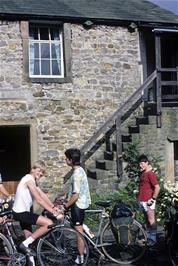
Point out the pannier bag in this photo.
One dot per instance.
(121, 223)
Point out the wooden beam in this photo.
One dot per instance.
(158, 80)
(119, 148)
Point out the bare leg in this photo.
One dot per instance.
(43, 222)
(27, 233)
(81, 245)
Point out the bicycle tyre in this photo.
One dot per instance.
(173, 253)
(59, 247)
(124, 253)
(6, 250)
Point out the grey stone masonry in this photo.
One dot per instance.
(105, 71)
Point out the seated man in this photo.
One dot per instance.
(27, 191)
(3, 190)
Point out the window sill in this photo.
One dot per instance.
(50, 80)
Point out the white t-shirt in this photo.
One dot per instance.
(23, 198)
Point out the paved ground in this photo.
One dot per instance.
(156, 256)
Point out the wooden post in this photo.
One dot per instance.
(119, 148)
(108, 143)
(158, 79)
(82, 160)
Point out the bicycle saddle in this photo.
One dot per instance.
(104, 203)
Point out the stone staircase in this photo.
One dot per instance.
(102, 168)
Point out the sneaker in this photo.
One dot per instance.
(79, 260)
(27, 250)
(31, 261)
(151, 243)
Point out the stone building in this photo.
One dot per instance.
(67, 71)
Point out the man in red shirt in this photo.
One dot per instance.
(148, 192)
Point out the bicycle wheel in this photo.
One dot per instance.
(59, 247)
(124, 253)
(5, 250)
(173, 253)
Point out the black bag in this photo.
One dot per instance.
(121, 223)
(121, 210)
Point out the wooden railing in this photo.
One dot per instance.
(114, 122)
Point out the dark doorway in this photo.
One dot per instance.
(14, 152)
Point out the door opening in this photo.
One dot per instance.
(14, 152)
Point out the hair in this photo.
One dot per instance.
(39, 164)
(73, 155)
(143, 158)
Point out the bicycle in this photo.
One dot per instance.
(61, 242)
(9, 254)
(171, 231)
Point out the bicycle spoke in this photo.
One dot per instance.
(17, 259)
(5, 250)
(124, 253)
(58, 247)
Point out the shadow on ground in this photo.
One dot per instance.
(155, 256)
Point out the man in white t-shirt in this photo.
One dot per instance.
(27, 191)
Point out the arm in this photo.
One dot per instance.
(39, 199)
(156, 191)
(45, 197)
(4, 191)
(72, 200)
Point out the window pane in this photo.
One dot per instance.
(34, 50)
(36, 47)
(45, 50)
(44, 33)
(37, 67)
(45, 67)
(34, 67)
(56, 52)
(56, 68)
(55, 34)
(33, 33)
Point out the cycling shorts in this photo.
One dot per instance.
(26, 219)
(77, 215)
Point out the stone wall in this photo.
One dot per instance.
(105, 71)
(159, 142)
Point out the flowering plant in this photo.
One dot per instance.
(168, 193)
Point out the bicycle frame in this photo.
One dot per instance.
(96, 241)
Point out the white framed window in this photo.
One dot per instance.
(46, 59)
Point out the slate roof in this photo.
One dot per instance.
(115, 11)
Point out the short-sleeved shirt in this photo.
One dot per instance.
(148, 180)
(23, 198)
(79, 184)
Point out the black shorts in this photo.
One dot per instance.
(77, 215)
(26, 219)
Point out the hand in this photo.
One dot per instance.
(58, 215)
(151, 201)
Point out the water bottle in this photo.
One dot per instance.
(88, 231)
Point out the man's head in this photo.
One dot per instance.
(73, 157)
(143, 161)
(38, 169)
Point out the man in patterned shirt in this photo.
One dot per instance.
(78, 198)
